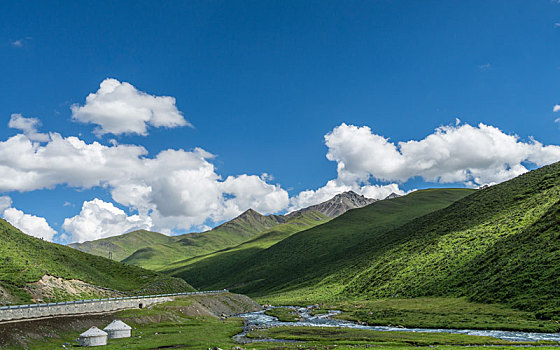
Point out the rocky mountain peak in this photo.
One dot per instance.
(392, 195)
(339, 204)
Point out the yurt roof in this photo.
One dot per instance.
(117, 325)
(93, 332)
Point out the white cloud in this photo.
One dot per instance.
(119, 108)
(17, 43)
(380, 191)
(30, 224)
(5, 203)
(460, 153)
(28, 126)
(556, 108)
(99, 219)
(28, 166)
(333, 187)
(177, 189)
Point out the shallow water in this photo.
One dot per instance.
(258, 319)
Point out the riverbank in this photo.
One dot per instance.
(429, 312)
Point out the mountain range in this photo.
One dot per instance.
(157, 251)
(499, 244)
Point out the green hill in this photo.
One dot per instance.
(124, 245)
(219, 263)
(231, 233)
(25, 259)
(501, 244)
(496, 245)
(304, 258)
(156, 251)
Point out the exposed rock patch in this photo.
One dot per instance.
(338, 205)
(54, 288)
(6, 298)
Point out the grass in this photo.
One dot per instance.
(241, 229)
(499, 245)
(496, 245)
(348, 336)
(25, 259)
(306, 257)
(166, 326)
(123, 246)
(183, 332)
(201, 270)
(283, 314)
(433, 312)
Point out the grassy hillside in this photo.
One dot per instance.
(155, 251)
(25, 259)
(303, 259)
(497, 245)
(124, 245)
(224, 262)
(500, 244)
(231, 233)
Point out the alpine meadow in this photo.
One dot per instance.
(286, 175)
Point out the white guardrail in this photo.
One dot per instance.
(65, 308)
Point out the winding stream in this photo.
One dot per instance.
(258, 319)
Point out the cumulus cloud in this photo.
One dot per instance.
(333, 187)
(28, 126)
(119, 108)
(556, 108)
(99, 219)
(182, 190)
(30, 224)
(28, 166)
(460, 153)
(176, 189)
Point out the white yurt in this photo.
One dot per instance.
(93, 337)
(118, 329)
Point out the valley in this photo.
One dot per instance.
(435, 258)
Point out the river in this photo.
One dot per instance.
(258, 319)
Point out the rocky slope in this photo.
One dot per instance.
(338, 205)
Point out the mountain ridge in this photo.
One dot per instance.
(156, 250)
(337, 205)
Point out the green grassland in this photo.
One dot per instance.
(496, 245)
(283, 314)
(25, 259)
(154, 250)
(158, 328)
(499, 245)
(167, 326)
(302, 259)
(245, 227)
(440, 312)
(220, 262)
(349, 336)
(124, 245)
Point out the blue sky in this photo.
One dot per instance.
(263, 82)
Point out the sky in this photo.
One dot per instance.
(176, 116)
